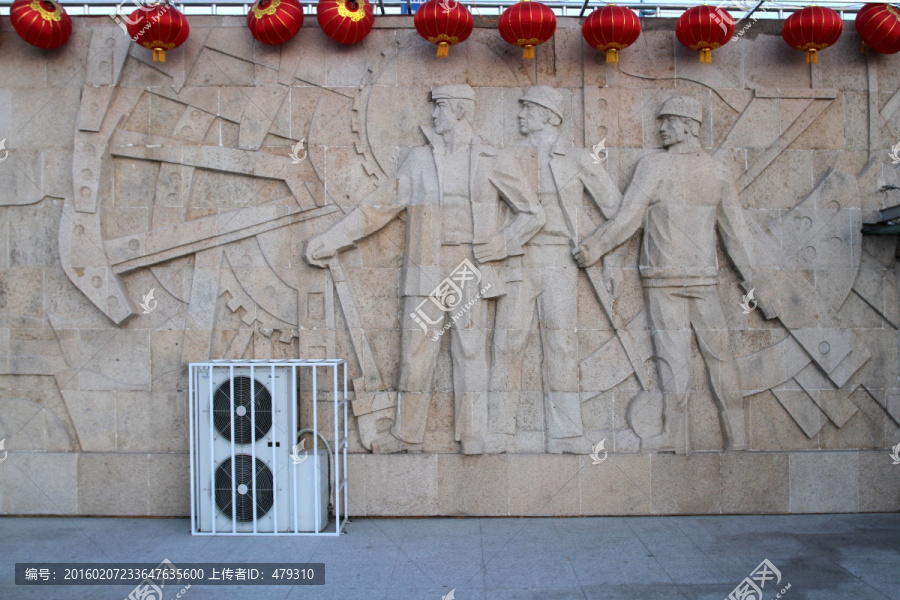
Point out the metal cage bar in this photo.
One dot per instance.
(337, 456)
(337, 445)
(344, 483)
(274, 455)
(316, 445)
(212, 451)
(192, 402)
(294, 428)
(233, 457)
(253, 447)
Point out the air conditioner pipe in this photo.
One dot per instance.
(330, 470)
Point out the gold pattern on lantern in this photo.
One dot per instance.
(811, 46)
(269, 10)
(444, 38)
(37, 5)
(159, 50)
(702, 45)
(353, 15)
(157, 46)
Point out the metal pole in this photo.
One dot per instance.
(337, 467)
(583, 8)
(294, 437)
(274, 459)
(192, 405)
(315, 448)
(346, 481)
(253, 443)
(212, 456)
(233, 457)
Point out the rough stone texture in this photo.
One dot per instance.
(754, 483)
(43, 484)
(825, 482)
(619, 485)
(560, 495)
(158, 215)
(731, 483)
(401, 487)
(686, 486)
(473, 485)
(878, 485)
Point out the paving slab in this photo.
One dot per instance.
(841, 556)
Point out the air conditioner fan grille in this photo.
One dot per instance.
(223, 407)
(243, 482)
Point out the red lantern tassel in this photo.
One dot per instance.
(705, 56)
(528, 52)
(812, 56)
(865, 49)
(443, 50)
(612, 55)
(159, 55)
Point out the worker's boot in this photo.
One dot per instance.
(389, 444)
(735, 429)
(671, 438)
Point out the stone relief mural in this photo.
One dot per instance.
(499, 279)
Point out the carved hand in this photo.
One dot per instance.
(584, 255)
(318, 249)
(493, 249)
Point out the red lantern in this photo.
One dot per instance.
(445, 23)
(527, 24)
(704, 28)
(611, 28)
(879, 27)
(41, 23)
(812, 29)
(274, 22)
(159, 27)
(345, 21)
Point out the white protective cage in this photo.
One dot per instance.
(245, 413)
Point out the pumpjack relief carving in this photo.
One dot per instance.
(495, 286)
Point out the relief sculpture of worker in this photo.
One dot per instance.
(566, 174)
(679, 198)
(469, 207)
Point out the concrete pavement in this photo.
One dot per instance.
(841, 556)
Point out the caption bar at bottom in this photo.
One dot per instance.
(184, 574)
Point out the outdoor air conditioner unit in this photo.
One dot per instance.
(245, 442)
(248, 473)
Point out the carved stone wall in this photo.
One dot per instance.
(242, 201)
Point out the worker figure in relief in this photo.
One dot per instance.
(549, 287)
(469, 210)
(680, 198)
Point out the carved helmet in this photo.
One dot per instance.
(453, 92)
(546, 96)
(682, 106)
